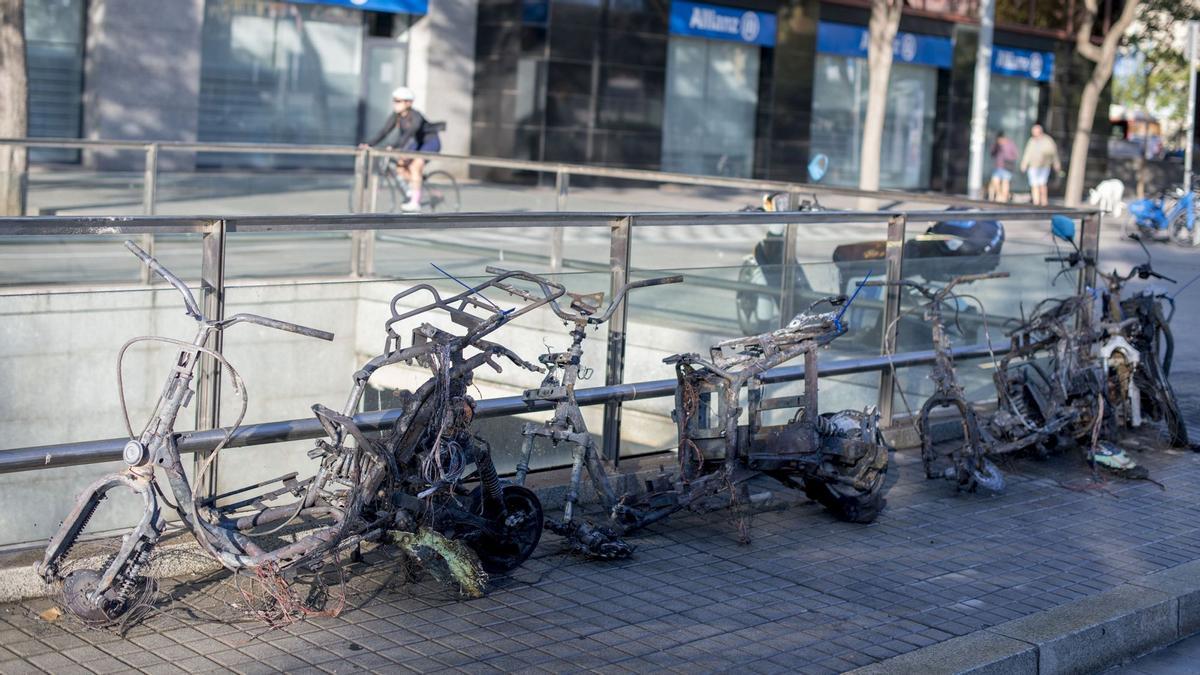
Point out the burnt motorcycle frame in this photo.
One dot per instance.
(1132, 338)
(566, 425)
(969, 467)
(839, 459)
(364, 486)
(1141, 321)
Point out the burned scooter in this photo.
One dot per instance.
(839, 459)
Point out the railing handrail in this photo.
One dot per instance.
(91, 452)
(644, 175)
(91, 225)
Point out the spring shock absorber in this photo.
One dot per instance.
(489, 480)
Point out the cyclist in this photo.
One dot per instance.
(415, 133)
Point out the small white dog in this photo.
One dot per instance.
(1107, 196)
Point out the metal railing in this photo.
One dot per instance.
(620, 226)
(362, 225)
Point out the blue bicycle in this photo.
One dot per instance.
(1178, 224)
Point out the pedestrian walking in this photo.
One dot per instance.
(1004, 157)
(1041, 155)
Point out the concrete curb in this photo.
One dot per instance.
(1084, 636)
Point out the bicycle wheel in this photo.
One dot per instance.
(440, 192)
(1180, 234)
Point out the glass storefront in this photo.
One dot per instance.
(840, 109)
(54, 62)
(712, 96)
(279, 73)
(840, 92)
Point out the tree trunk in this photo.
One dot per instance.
(885, 21)
(1104, 56)
(1083, 135)
(14, 96)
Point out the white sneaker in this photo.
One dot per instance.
(410, 206)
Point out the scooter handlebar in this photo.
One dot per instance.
(278, 325)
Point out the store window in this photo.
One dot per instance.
(279, 73)
(712, 95)
(1018, 76)
(840, 105)
(54, 62)
(712, 88)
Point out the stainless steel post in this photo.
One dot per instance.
(979, 109)
(359, 204)
(620, 238)
(562, 182)
(149, 202)
(891, 311)
(1191, 106)
(787, 287)
(208, 384)
(1089, 246)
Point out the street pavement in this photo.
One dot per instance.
(809, 594)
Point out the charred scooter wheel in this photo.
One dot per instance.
(514, 539)
(850, 482)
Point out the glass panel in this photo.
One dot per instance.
(235, 191)
(712, 94)
(1030, 281)
(840, 110)
(722, 299)
(58, 374)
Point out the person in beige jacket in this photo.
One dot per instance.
(1041, 155)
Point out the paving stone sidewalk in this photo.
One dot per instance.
(810, 594)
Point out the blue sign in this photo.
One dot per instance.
(391, 6)
(1023, 63)
(722, 23)
(845, 40)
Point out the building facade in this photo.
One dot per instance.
(754, 88)
(251, 71)
(749, 88)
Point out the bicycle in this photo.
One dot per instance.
(404, 486)
(1178, 223)
(563, 370)
(439, 190)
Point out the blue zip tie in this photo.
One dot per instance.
(837, 321)
(474, 291)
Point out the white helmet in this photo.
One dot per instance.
(403, 94)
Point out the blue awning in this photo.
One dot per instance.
(393, 6)
(847, 40)
(1023, 63)
(717, 22)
